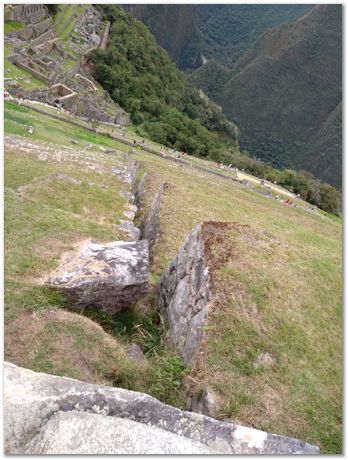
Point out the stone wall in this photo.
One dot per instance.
(29, 13)
(42, 26)
(150, 230)
(184, 293)
(40, 75)
(90, 84)
(104, 40)
(42, 38)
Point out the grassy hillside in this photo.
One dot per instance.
(286, 87)
(282, 294)
(139, 75)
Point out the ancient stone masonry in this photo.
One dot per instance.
(86, 80)
(35, 66)
(184, 294)
(131, 172)
(28, 13)
(150, 230)
(104, 40)
(48, 35)
(62, 92)
(109, 276)
(45, 414)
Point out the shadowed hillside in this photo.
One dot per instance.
(285, 94)
(193, 33)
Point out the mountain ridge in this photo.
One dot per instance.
(282, 91)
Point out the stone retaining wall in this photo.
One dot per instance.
(42, 38)
(184, 294)
(150, 230)
(31, 13)
(104, 40)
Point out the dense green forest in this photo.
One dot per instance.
(285, 92)
(228, 30)
(139, 75)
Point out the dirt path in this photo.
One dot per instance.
(275, 188)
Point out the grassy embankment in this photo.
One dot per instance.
(281, 292)
(282, 298)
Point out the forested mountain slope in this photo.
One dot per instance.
(228, 30)
(193, 33)
(139, 75)
(285, 92)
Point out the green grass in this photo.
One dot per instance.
(281, 291)
(17, 119)
(64, 20)
(290, 304)
(12, 26)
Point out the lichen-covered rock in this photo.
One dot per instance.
(81, 433)
(184, 294)
(109, 276)
(48, 414)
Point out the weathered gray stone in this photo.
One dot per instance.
(136, 354)
(184, 294)
(128, 227)
(128, 195)
(206, 403)
(112, 276)
(150, 230)
(131, 172)
(81, 433)
(40, 410)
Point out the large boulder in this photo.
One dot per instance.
(108, 276)
(45, 414)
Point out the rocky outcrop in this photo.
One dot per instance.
(184, 294)
(109, 276)
(45, 414)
